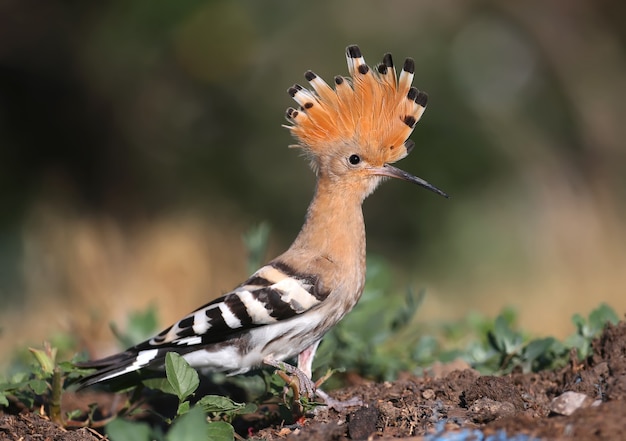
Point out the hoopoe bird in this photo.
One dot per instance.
(350, 133)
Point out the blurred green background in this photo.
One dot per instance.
(140, 139)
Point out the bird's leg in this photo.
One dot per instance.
(303, 372)
(291, 383)
(305, 359)
(305, 363)
(338, 405)
(304, 383)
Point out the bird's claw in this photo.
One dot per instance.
(302, 385)
(297, 380)
(338, 405)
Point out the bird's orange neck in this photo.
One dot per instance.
(332, 240)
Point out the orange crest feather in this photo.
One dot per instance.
(374, 109)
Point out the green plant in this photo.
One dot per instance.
(40, 383)
(191, 426)
(182, 380)
(587, 330)
(190, 421)
(507, 348)
(399, 342)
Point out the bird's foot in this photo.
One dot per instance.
(297, 380)
(329, 401)
(302, 386)
(338, 405)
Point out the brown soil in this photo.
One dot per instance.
(449, 399)
(464, 401)
(32, 427)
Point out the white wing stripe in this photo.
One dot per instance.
(200, 322)
(145, 357)
(295, 294)
(189, 341)
(256, 309)
(231, 320)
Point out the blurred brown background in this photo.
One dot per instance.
(140, 139)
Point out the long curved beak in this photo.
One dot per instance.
(393, 172)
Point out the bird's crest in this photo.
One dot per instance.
(373, 109)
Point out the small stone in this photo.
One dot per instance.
(485, 410)
(388, 410)
(428, 394)
(568, 402)
(284, 432)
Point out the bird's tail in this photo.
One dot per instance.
(123, 366)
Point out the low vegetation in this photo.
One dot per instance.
(398, 343)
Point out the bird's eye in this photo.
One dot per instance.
(354, 159)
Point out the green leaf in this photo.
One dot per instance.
(538, 347)
(73, 414)
(248, 408)
(45, 360)
(19, 378)
(181, 376)
(221, 431)
(404, 315)
(122, 430)
(192, 426)
(14, 385)
(505, 338)
(4, 401)
(38, 386)
(183, 408)
(581, 344)
(218, 404)
(599, 317)
(579, 322)
(161, 384)
(71, 370)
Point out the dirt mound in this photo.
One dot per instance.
(30, 426)
(584, 400)
(580, 401)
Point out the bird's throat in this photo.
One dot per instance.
(333, 235)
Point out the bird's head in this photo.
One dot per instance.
(352, 133)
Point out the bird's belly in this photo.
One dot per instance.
(280, 341)
(284, 340)
(224, 358)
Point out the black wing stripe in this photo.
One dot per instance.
(314, 286)
(187, 322)
(238, 308)
(216, 319)
(274, 303)
(276, 292)
(286, 269)
(257, 281)
(184, 328)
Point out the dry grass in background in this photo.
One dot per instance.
(543, 83)
(83, 273)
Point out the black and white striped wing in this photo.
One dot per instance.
(273, 294)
